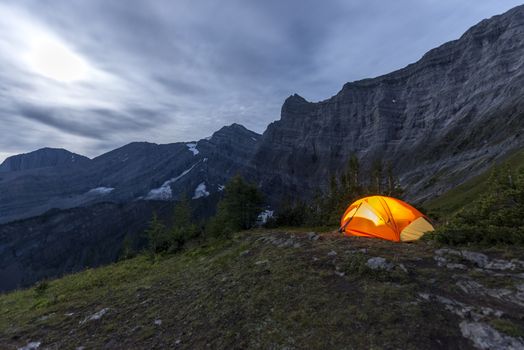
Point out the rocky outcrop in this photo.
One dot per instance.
(438, 121)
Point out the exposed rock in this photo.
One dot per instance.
(473, 287)
(96, 316)
(462, 310)
(379, 263)
(31, 346)
(481, 260)
(403, 268)
(453, 266)
(499, 264)
(158, 322)
(244, 253)
(332, 253)
(261, 262)
(445, 108)
(312, 236)
(484, 336)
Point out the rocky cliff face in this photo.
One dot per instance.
(438, 121)
(42, 158)
(139, 170)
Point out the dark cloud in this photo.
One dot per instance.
(167, 71)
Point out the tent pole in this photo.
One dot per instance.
(340, 230)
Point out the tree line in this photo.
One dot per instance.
(326, 207)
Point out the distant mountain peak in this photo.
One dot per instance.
(42, 158)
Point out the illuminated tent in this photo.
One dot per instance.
(386, 218)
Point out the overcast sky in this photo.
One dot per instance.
(93, 75)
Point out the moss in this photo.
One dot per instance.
(508, 327)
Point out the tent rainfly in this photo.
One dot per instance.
(386, 218)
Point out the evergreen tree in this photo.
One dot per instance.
(496, 217)
(239, 208)
(183, 227)
(156, 235)
(376, 177)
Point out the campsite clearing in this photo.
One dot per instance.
(280, 288)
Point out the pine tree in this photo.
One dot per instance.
(156, 236)
(376, 177)
(183, 227)
(238, 210)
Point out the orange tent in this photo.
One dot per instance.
(384, 217)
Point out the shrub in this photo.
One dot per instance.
(497, 217)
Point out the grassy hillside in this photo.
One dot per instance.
(274, 289)
(460, 196)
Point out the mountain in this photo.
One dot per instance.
(438, 121)
(42, 158)
(69, 240)
(139, 170)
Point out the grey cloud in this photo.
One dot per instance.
(185, 68)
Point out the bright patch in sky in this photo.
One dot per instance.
(56, 61)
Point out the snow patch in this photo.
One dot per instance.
(264, 216)
(192, 148)
(221, 187)
(164, 192)
(254, 139)
(101, 190)
(200, 191)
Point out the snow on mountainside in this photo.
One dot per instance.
(139, 170)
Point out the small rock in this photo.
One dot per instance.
(332, 253)
(452, 266)
(96, 316)
(158, 322)
(312, 236)
(484, 336)
(31, 346)
(244, 253)
(69, 314)
(260, 262)
(403, 268)
(499, 264)
(445, 251)
(315, 258)
(81, 348)
(441, 261)
(178, 341)
(340, 273)
(479, 259)
(379, 263)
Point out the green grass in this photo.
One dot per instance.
(249, 291)
(458, 197)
